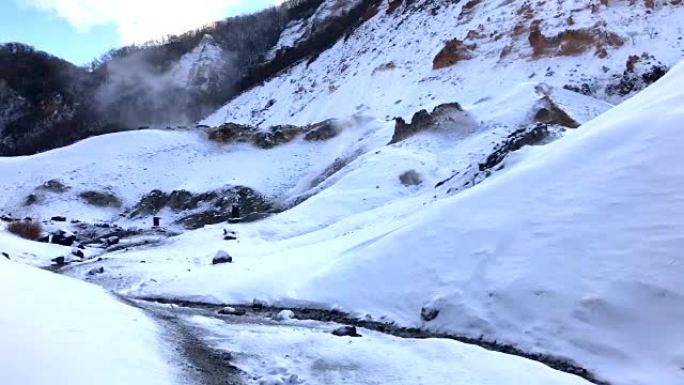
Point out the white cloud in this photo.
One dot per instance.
(138, 21)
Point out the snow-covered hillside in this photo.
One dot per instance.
(491, 175)
(385, 68)
(572, 251)
(127, 166)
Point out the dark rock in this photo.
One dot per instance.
(228, 310)
(640, 72)
(583, 89)
(60, 261)
(424, 120)
(182, 200)
(346, 331)
(222, 257)
(428, 313)
(229, 235)
(58, 219)
(322, 131)
(76, 252)
(410, 178)
(59, 237)
(259, 304)
(199, 220)
(31, 199)
(55, 186)
(250, 205)
(5, 255)
(100, 199)
(150, 204)
(96, 271)
(276, 136)
(232, 133)
(515, 141)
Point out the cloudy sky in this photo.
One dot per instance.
(80, 30)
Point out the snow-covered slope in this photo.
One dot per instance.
(385, 68)
(573, 250)
(129, 165)
(56, 330)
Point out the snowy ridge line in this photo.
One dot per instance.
(390, 328)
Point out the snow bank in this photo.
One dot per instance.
(56, 330)
(29, 252)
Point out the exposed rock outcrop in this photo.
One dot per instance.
(275, 135)
(454, 51)
(447, 116)
(198, 210)
(100, 199)
(640, 72)
(573, 42)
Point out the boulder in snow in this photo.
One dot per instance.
(76, 252)
(229, 235)
(284, 315)
(258, 303)
(96, 271)
(346, 331)
(222, 257)
(60, 261)
(428, 313)
(410, 178)
(229, 310)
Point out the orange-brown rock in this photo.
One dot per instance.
(453, 52)
(573, 42)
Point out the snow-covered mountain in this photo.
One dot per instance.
(488, 171)
(418, 54)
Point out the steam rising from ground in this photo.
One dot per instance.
(138, 93)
